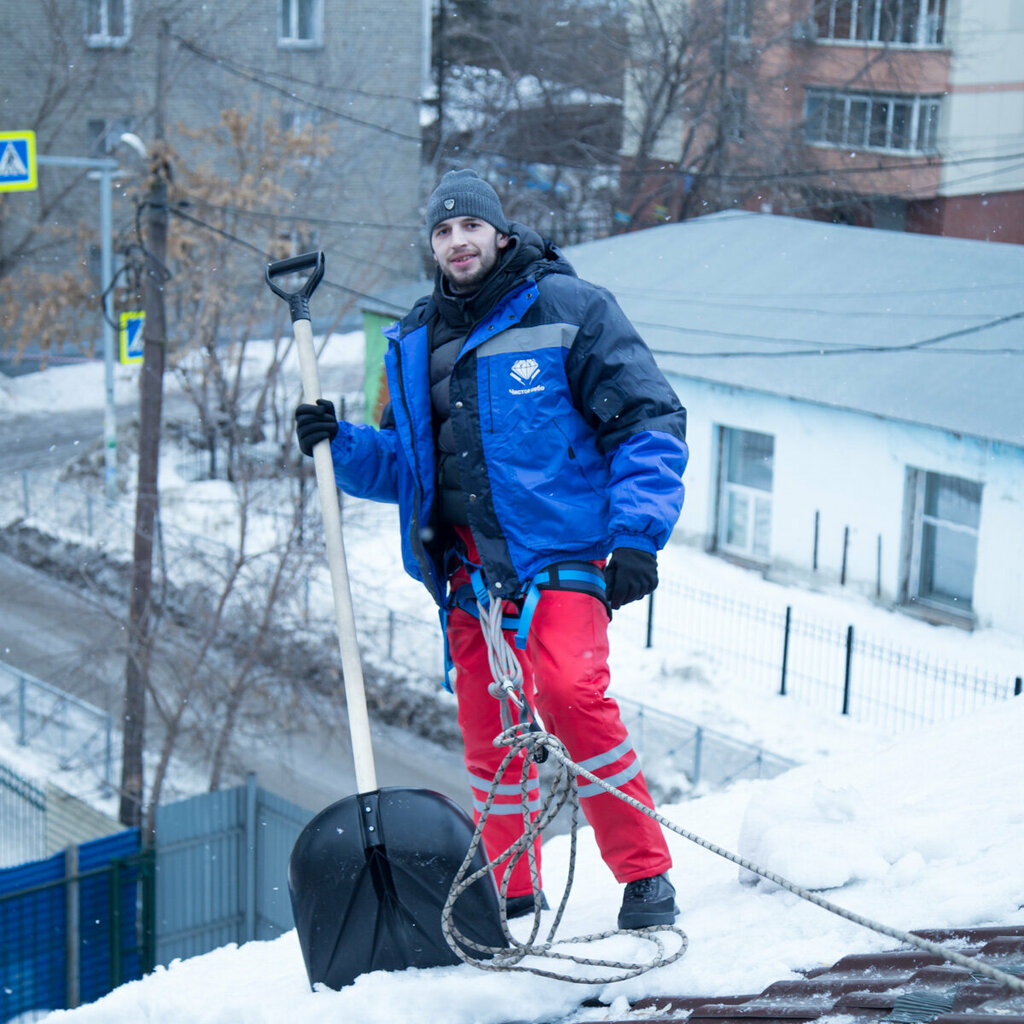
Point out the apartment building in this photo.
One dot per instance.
(901, 114)
(83, 73)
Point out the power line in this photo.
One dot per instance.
(671, 297)
(242, 72)
(936, 163)
(295, 80)
(821, 348)
(270, 215)
(919, 193)
(377, 299)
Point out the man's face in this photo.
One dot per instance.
(466, 250)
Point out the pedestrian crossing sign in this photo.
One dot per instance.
(132, 324)
(17, 161)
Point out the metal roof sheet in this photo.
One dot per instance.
(904, 986)
(911, 327)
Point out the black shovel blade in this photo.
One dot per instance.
(369, 877)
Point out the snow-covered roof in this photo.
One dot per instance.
(912, 327)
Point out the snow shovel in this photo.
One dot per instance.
(369, 875)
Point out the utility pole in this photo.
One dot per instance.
(146, 502)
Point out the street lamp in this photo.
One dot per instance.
(102, 171)
(105, 171)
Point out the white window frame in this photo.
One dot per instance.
(293, 123)
(754, 503)
(99, 32)
(104, 133)
(289, 24)
(921, 522)
(866, 22)
(868, 121)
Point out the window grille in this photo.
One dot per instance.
(860, 120)
(894, 22)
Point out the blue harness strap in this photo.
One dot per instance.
(578, 576)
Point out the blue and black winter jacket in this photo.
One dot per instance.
(570, 440)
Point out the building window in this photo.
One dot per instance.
(734, 114)
(745, 493)
(899, 22)
(864, 120)
(107, 22)
(301, 23)
(304, 128)
(104, 134)
(944, 513)
(737, 15)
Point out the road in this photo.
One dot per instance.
(57, 633)
(62, 636)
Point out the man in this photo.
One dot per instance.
(529, 434)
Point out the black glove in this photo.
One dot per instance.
(629, 575)
(314, 423)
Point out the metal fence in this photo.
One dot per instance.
(81, 922)
(80, 734)
(74, 926)
(22, 818)
(222, 869)
(834, 666)
(680, 757)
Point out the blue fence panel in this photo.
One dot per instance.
(109, 950)
(32, 937)
(39, 902)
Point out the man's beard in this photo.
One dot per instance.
(488, 261)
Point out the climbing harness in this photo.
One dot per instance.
(523, 735)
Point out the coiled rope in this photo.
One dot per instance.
(536, 744)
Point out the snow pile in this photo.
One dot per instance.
(927, 833)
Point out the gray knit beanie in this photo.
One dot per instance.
(464, 194)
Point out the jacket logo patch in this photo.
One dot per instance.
(523, 372)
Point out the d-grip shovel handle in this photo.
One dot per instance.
(330, 510)
(298, 301)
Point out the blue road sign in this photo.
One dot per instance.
(18, 161)
(131, 336)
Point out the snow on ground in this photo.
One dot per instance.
(922, 831)
(927, 833)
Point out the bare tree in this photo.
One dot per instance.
(530, 94)
(691, 120)
(715, 111)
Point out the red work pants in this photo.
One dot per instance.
(565, 678)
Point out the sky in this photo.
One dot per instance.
(923, 830)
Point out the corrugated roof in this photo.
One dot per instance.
(901, 986)
(911, 327)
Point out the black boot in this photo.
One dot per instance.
(520, 906)
(647, 902)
